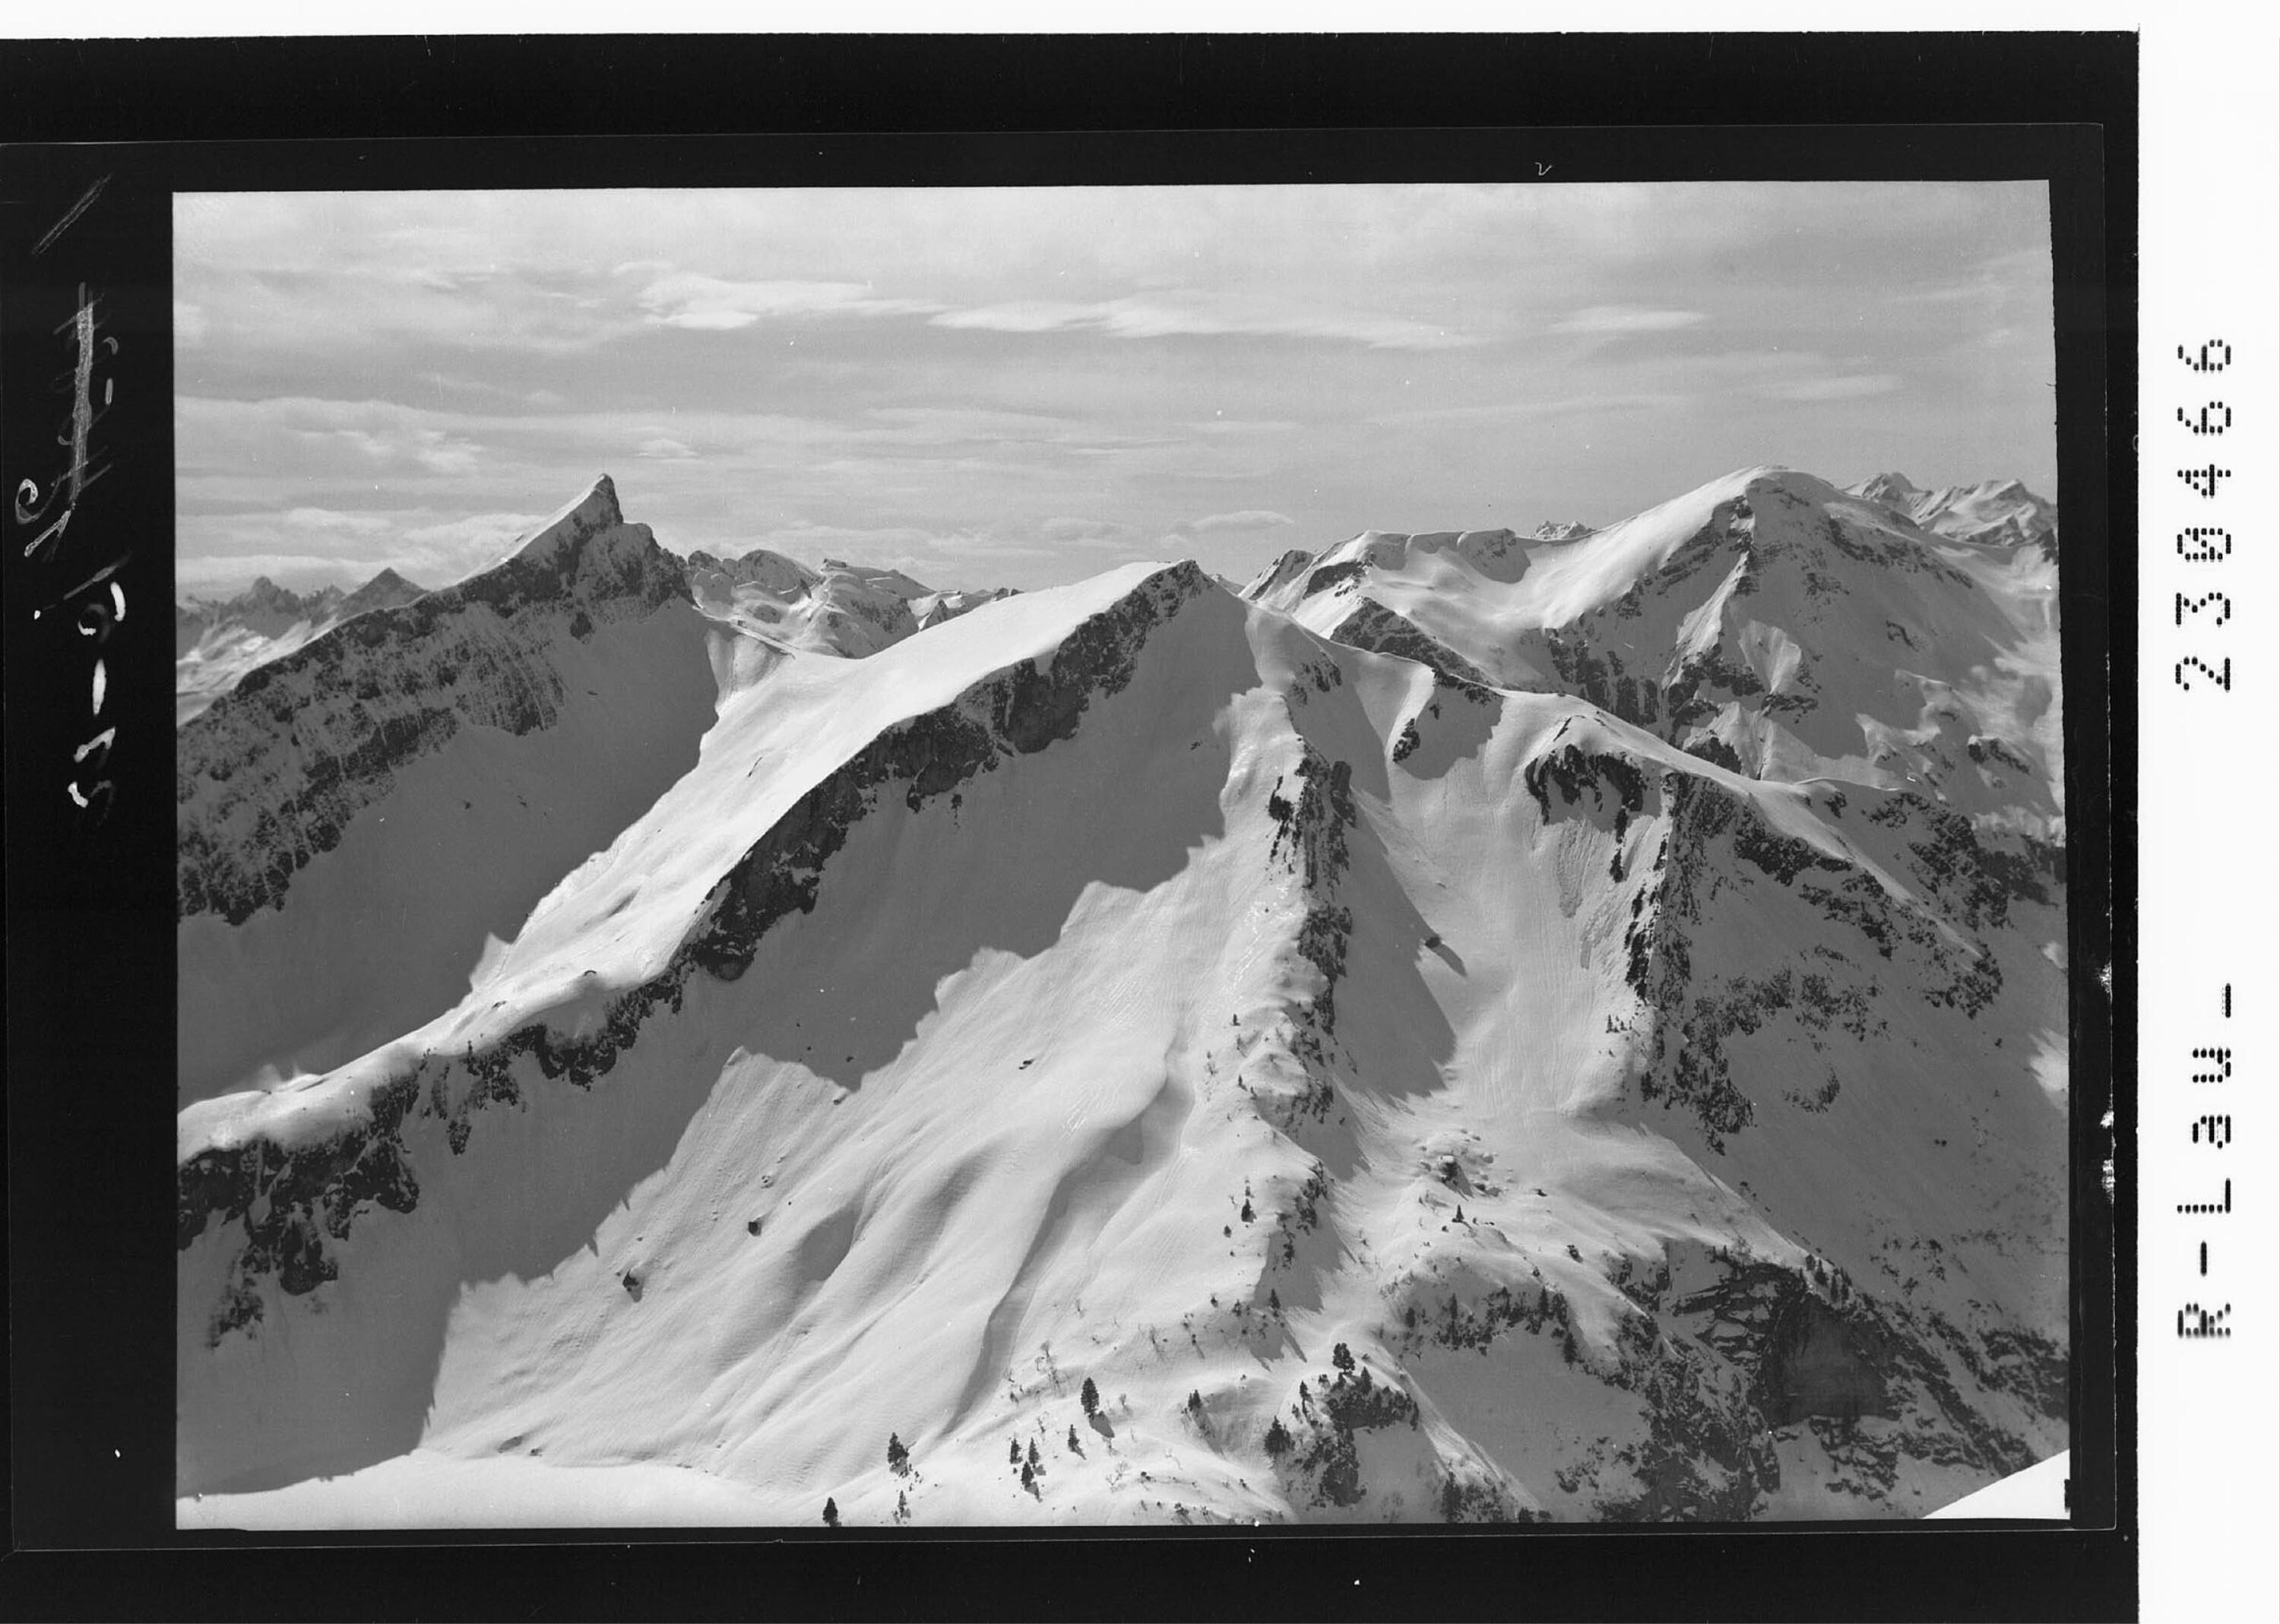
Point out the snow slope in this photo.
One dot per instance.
(1765, 619)
(1398, 1096)
(217, 643)
(1993, 512)
(844, 609)
(357, 818)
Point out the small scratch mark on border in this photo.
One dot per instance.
(85, 202)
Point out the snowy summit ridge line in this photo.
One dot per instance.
(1023, 710)
(358, 710)
(1473, 1026)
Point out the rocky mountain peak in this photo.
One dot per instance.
(384, 590)
(597, 513)
(1895, 488)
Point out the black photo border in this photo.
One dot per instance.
(113, 129)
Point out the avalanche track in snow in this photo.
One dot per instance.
(1393, 1095)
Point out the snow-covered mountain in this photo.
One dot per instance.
(933, 608)
(1767, 621)
(1993, 512)
(218, 641)
(357, 818)
(842, 608)
(475, 720)
(1153, 1054)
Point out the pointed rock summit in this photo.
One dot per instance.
(326, 727)
(560, 965)
(591, 514)
(586, 552)
(385, 590)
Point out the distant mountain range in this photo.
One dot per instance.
(841, 608)
(1466, 1027)
(217, 640)
(1994, 512)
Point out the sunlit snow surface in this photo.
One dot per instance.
(1163, 1055)
(2038, 1494)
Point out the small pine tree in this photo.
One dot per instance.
(1072, 1440)
(1247, 1215)
(1195, 1402)
(902, 1507)
(830, 1513)
(1012, 1451)
(898, 1458)
(1090, 1397)
(1274, 1303)
(1341, 1357)
(1035, 1459)
(1028, 1478)
(1278, 1439)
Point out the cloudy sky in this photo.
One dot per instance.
(1026, 386)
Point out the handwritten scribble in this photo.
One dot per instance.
(53, 509)
(80, 472)
(89, 584)
(71, 216)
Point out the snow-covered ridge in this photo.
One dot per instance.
(771, 571)
(1399, 1093)
(933, 608)
(1795, 629)
(270, 774)
(844, 609)
(1991, 513)
(264, 608)
(357, 819)
(217, 641)
(1018, 706)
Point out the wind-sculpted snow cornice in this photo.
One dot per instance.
(292, 1197)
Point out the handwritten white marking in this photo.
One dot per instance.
(85, 202)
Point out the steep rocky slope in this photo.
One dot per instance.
(1991, 513)
(844, 609)
(217, 641)
(1393, 1095)
(1766, 621)
(357, 818)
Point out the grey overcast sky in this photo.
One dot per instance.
(1025, 386)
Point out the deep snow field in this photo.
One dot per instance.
(1510, 1030)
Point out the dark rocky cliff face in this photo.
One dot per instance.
(1726, 1382)
(271, 773)
(386, 590)
(291, 1201)
(1376, 628)
(1718, 846)
(1820, 637)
